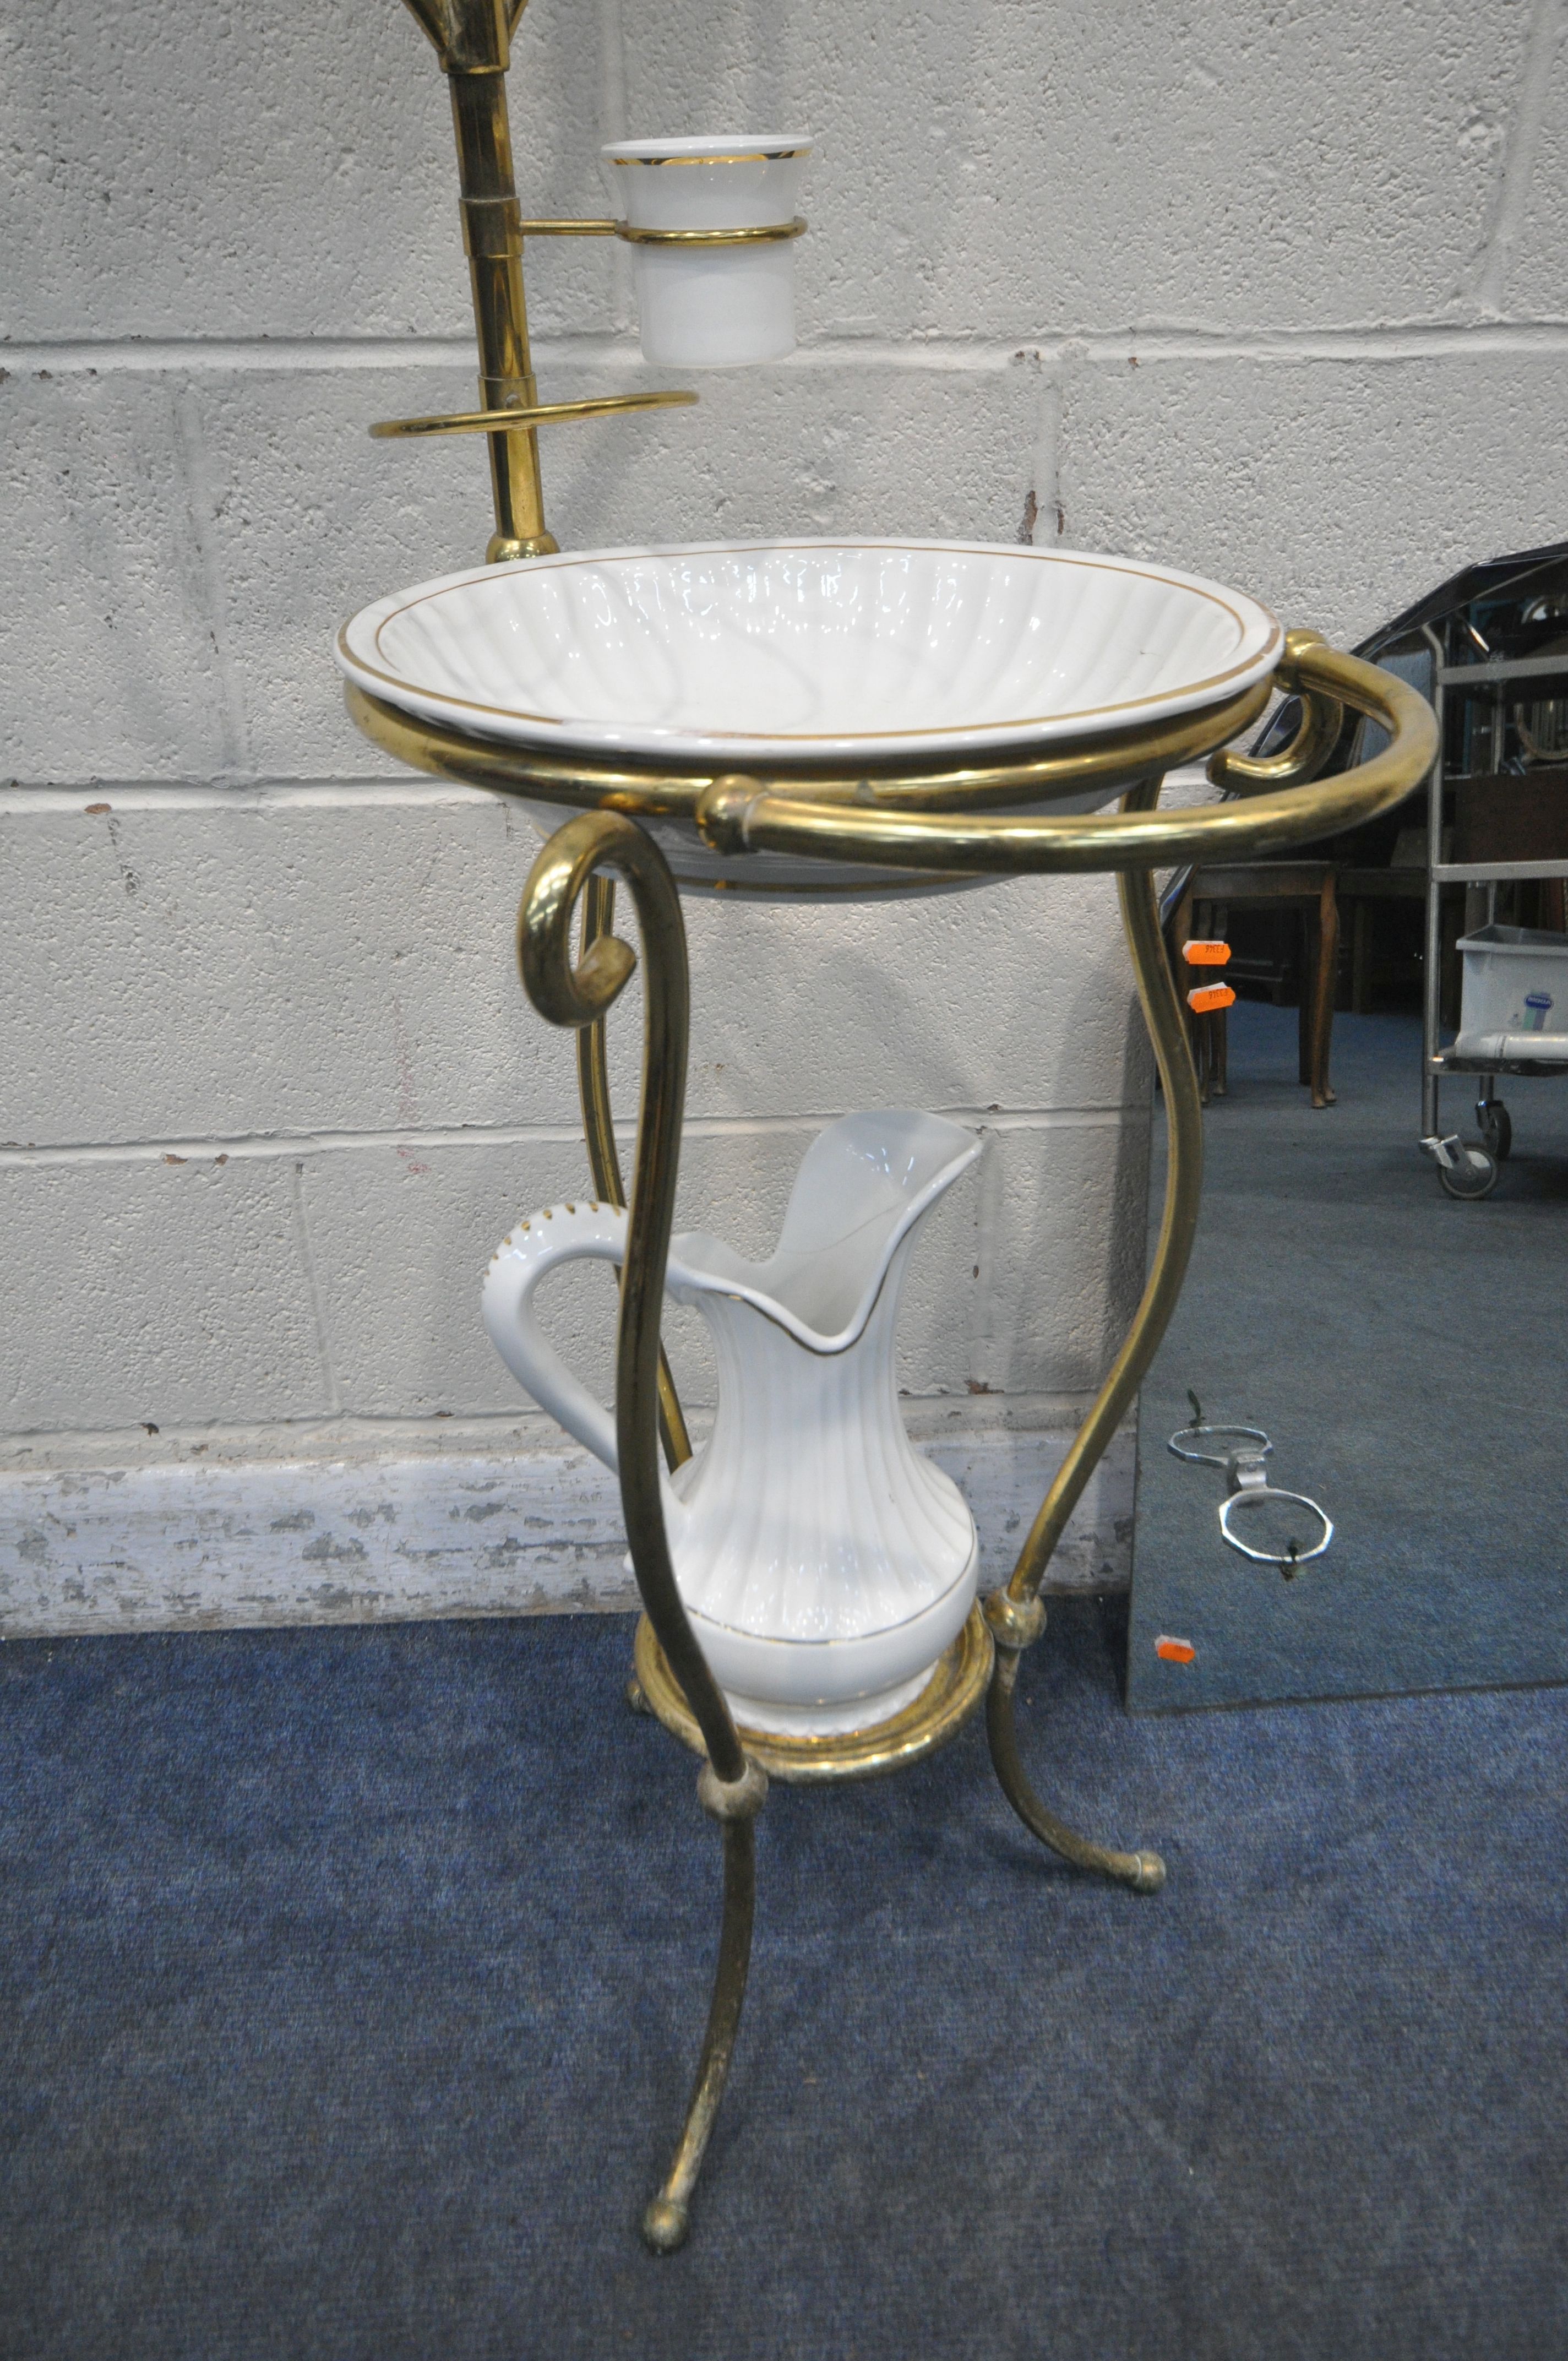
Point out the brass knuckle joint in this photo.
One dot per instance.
(1298, 641)
(506, 548)
(722, 811)
(491, 225)
(1014, 1623)
(732, 1800)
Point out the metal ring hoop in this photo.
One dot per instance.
(770, 233)
(1220, 1459)
(1274, 1557)
(956, 817)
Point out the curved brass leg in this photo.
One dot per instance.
(1143, 1872)
(598, 1130)
(731, 1787)
(665, 2222)
(1015, 1615)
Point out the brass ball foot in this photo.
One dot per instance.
(665, 2225)
(637, 1695)
(1151, 1873)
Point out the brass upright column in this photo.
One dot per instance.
(472, 40)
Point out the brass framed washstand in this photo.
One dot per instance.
(934, 820)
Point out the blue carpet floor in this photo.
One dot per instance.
(352, 1981)
(1409, 1357)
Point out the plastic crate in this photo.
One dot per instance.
(1514, 1007)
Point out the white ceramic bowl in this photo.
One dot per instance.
(808, 652)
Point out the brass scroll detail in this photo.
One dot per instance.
(577, 995)
(1315, 736)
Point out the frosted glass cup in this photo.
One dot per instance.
(711, 306)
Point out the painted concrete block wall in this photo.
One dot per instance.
(1272, 291)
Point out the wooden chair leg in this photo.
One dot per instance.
(1197, 921)
(1360, 953)
(1323, 991)
(1219, 928)
(1180, 935)
(1306, 994)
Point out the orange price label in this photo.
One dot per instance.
(1206, 954)
(1175, 1651)
(1205, 996)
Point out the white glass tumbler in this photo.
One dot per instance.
(712, 306)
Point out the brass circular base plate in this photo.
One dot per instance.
(953, 1693)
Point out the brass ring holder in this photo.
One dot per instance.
(771, 235)
(607, 226)
(954, 1691)
(938, 819)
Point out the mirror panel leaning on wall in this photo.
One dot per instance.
(1370, 1328)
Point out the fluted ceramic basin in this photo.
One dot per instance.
(776, 656)
(808, 652)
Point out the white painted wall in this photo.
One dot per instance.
(1267, 289)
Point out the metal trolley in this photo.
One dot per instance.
(1490, 650)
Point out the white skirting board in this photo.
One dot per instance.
(362, 1525)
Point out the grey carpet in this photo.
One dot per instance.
(350, 1982)
(1409, 1357)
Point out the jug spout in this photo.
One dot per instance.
(863, 1186)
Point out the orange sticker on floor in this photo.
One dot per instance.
(1175, 1651)
(1206, 954)
(1205, 996)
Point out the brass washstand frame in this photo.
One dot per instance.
(950, 821)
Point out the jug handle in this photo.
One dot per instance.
(557, 1233)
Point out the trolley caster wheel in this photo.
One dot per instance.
(1496, 1128)
(1472, 1174)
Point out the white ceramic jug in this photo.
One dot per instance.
(825, 1565)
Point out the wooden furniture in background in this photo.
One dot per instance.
(1210, 894)
(1362, 890)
